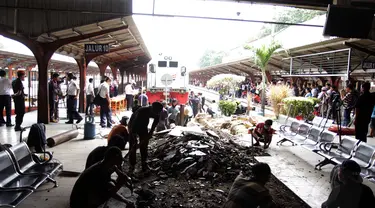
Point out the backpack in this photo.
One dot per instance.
(37, 137)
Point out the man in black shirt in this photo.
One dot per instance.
(363, 111)
(350, 193)
(98, 153)
(94, 186)
(138, 126)
(19, 99)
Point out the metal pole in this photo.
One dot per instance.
(349, 63)
(291, 66)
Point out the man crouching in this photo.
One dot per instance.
(263, 133)
(94, 186)
(251, 193)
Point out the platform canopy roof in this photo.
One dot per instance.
(307, 4)
(279, 65)
(22, 61)
(73, 23)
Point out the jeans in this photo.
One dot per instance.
(53, 109)
(89, 104)
(105, 114)
(5, 101)
(346, 120)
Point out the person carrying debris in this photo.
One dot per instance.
(251, 193)
(349, 192)
(95, 187)
(263, 133)
(138, 126)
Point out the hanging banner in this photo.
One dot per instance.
(96, 48)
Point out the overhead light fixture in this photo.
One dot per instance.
(123, 22)
(100, 27)
(110, 36)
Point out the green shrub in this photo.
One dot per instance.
(227, 107)
(301, 106)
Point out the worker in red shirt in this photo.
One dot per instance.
(263, 133)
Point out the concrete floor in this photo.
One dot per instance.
(293, 165)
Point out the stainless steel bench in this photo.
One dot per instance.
(25, 163)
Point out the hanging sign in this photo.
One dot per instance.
(368, 65)
(96, 48)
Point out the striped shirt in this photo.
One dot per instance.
(349, 100)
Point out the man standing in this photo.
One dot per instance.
(5, 99)
(89, 97)
(105, 105)
(73, 92)
(363, 111)
(138, 126)
(54, 93)
(143, 99)
(129, 96)
(349, 102)
(19, 99)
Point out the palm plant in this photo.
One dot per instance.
(262, 56)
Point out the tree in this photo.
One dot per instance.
(288, 15)
(211, 58)
(262, 56)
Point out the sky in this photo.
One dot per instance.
(189, 38)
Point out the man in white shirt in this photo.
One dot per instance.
(105, 104)
(5, 99)
(73, 92)
(129, 91)
(89, 97)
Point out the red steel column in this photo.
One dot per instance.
(114, 72)
(102, 68)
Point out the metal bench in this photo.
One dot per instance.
(363, 155)
(369, 172)
(12, 198)
(344, 151)
(312, 138)
(10, 179)
(25, 163)
(297, 136)
(317, 121)
(326, 123)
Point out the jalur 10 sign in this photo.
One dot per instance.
(96, 48)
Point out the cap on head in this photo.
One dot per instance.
(124, 120)
(113, 153)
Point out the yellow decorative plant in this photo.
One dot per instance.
(276, 94)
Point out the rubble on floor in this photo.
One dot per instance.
(196, 168)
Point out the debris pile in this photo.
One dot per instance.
(201, 155)
(195, 169)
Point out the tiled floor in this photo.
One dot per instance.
(293, 165)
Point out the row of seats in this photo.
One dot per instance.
(21, 175)
(315, 137)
